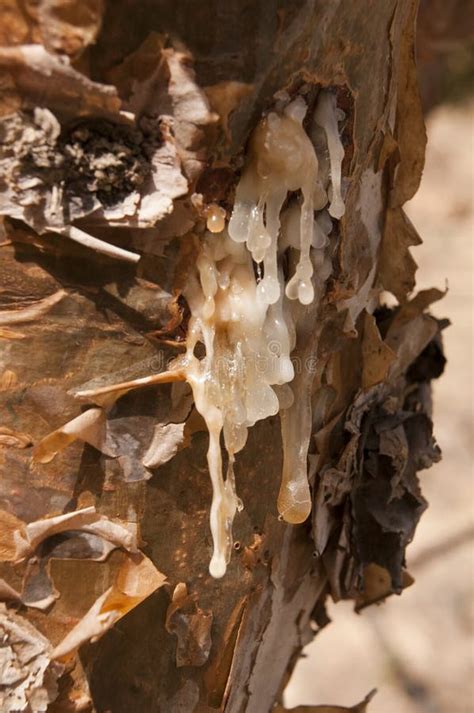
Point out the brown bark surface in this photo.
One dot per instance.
(71, 317)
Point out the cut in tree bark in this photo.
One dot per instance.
(125, 127)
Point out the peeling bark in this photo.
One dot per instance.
(94, 415)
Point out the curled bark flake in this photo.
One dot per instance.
(30, 536)
(80, 535)
(158, 79)
(397, 266)
(135, 581)
(89, 427)
(191, 112)
(167, 440)
(378, 585)
(106, 395)
(377, 356)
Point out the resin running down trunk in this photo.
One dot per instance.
(202, 210)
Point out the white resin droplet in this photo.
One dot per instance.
(294, 498)
(326, 115)
(269, 290)
(215, 218)
(217, 566)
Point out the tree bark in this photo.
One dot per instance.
(228, 644)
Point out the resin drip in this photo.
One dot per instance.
(241, 330)
(247, 352)
(326, 115)
(282, 159)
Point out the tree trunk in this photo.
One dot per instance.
(198, 78)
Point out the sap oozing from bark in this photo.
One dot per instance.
(282, 159)
(247, 345)
(245, 324)
(326, 115)
(247, 327)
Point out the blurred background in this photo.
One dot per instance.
(418, 649)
